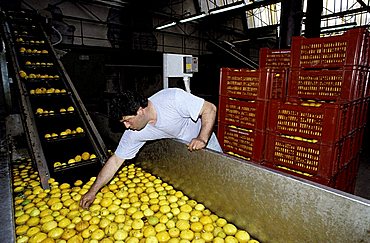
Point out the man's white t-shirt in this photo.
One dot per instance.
(177, 117)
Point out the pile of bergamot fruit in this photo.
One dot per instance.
(135, 207)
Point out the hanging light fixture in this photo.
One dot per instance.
(166, 25)
(193, 17)
(227, 7)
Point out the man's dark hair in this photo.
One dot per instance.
(126, 103)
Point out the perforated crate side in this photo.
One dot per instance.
(329, 52)
(330, 182)
(245, 114)
(302, 158)
(239, 83)
(274, 58)
(345, 179)
(274, 84)
(248, 144)
(327, 124)
(364, 112)
(344, 84)
(253, 84)
(355, 114)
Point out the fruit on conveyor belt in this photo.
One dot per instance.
(134, 207)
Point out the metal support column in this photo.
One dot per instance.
(291, 21)
(313, 18)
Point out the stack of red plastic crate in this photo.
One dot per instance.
(311, 126)
(317, 133)
(243, 103)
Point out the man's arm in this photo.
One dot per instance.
(208, 117)
(105, 175)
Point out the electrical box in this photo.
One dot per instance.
(190, 64)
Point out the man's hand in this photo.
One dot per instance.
(105, 175)
(87, 199)
(196, 144)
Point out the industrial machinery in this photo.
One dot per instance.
(63, 141)
(179, 66)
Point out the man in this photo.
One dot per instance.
(170, 113)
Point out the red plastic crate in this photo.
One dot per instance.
(301, 158)
(364, 111)
(276, 83)
(246, 114)
(253, 84)
(274, 58)
(330, 85)
(247, 143)
(327, 123)
(367, 85)
(330, 52)
(355, 113)
(345, 179)
(330, 182)
(240, 83)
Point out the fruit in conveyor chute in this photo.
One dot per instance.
(92, 156)
(62, 110)
(133, 207)
(78, 158)
(70, 108)
(22, 74)
(79, 130)
(39, 111)
(85, 155)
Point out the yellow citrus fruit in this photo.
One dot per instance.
(78, 158)
(106, 202)
(97, 234)
(22, 219)
(111, 229)
(68, 234)
(38, 237)
(207, 236)
(64, 223)
(33, 221)
(32, 231)
(137, 224)
(78, 183)
(163, 236)
(85, 155)
(120, 235)
(230, 229)
(57, 206)
(187, 234)
(80, 226)
(242, 236)
(46, 227)
(174, 232)
(21, 230)
(196, 226)
(79, 130)
(55, 233)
